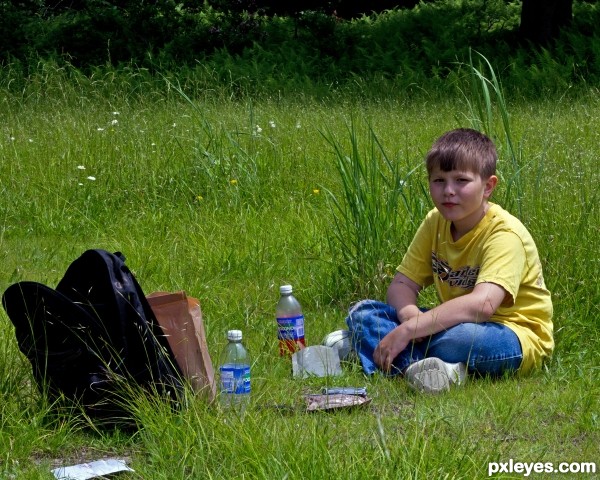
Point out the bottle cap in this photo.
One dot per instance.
(234, 335)
(285, 289)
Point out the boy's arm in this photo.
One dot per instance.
(477, 306)
(402, 295)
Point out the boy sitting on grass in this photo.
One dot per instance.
(495, 313)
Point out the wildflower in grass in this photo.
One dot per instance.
(80, 167)
(116, 113)
(233, 181)
(272, 124)
(114, 122)
(199, 198)
(256, 131)
(92, 179)
(298, 125)
(100, 129)
(316, 191)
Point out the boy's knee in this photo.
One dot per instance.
(370, 314)
(365, 308)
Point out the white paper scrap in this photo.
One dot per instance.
(98, 468)
(316, 360)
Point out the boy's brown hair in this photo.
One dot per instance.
(463, 149)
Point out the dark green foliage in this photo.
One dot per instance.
(263, 45)
(87, 37)
(88, 32)
(15, 23)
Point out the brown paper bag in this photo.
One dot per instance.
(180, 318)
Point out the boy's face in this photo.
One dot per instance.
(461, 197)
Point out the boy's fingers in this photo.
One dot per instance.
(379, 359)
(386, 363)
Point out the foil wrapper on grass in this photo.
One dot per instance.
(334, 402)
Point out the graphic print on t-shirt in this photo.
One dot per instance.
(465, 277)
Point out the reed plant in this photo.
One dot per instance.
(485, 100)
(371, 213)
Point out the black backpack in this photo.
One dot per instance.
(92, 335)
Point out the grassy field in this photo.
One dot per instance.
(228, 199)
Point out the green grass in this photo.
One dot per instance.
(199, 198)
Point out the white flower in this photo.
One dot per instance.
(100, 129)
(116, 113)
(258, 129)
(80, 167)
(272, 124)
(93, 179)
(12, 139)
(298, 124)
(114, 122)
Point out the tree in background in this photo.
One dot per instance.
(542, 20)
(92, 32)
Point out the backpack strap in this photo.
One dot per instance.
(103, 285)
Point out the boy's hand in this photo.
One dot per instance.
(390, 346)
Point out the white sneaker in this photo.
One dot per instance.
(432, 375)
(340, 341)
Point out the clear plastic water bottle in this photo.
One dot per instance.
(290, 322)
(234, 371)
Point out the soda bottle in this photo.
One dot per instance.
(234, 371)
(290, 322)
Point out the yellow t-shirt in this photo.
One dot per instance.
(498, 250)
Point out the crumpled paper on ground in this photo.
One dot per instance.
(84, 471)
(317, 361)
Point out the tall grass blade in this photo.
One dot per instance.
(369, 213)
(483, 99)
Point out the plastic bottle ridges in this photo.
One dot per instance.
(290, 322)
(234, 372)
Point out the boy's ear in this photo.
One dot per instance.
(490, 185)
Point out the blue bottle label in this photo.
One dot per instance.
(235, 378)
(290, 328)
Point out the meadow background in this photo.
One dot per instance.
(227, 187)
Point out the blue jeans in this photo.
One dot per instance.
(487, 348)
